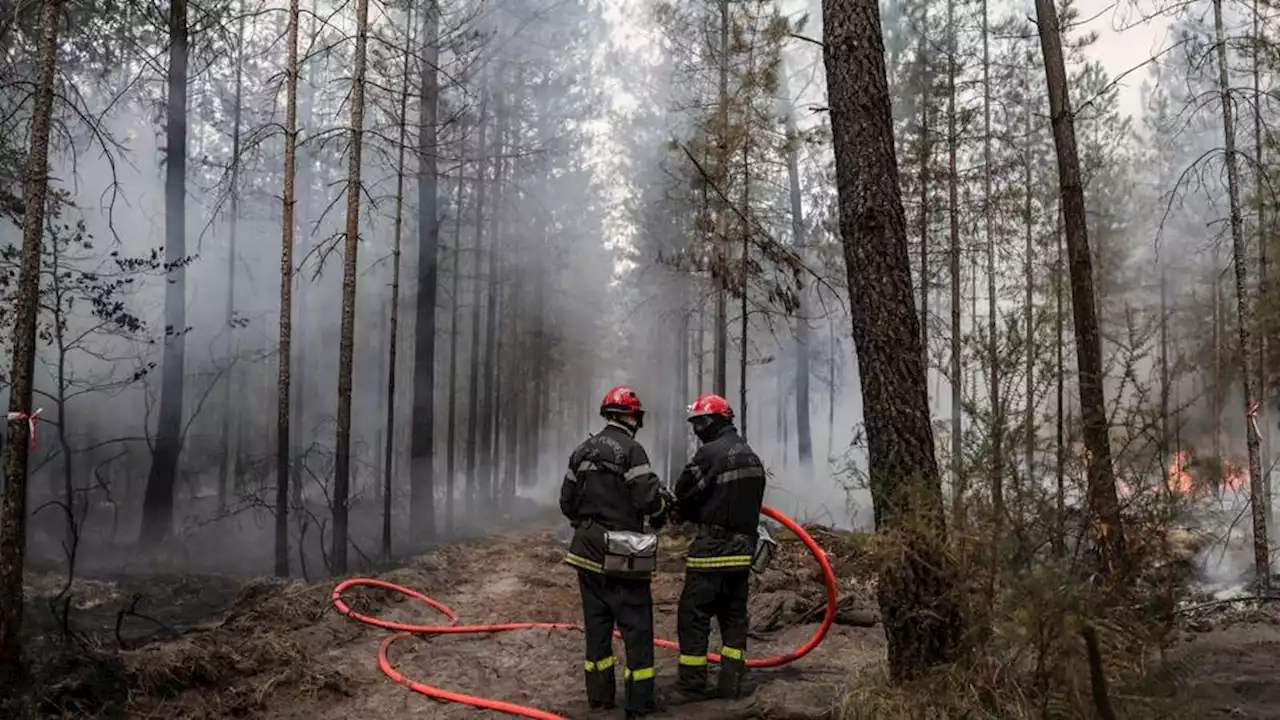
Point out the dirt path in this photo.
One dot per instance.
(543, 668)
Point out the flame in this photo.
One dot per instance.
(1234, 475)
(1179, 478)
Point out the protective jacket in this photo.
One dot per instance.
(609, 486)
(721, 490)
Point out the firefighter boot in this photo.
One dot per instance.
(692, 681)
(731, 671)
(602, 686)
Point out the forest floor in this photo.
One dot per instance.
(212, 647)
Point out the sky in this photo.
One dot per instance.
(1130, 33)
(1125, 40)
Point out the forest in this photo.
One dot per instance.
(987, 285)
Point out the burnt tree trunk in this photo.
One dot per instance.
(422, 505)
(917, 595)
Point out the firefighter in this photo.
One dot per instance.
(610, 487)
(720, 490)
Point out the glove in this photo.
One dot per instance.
(658, 521)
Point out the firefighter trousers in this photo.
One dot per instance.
(628, 604)
(721, 594)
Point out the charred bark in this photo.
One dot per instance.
(422, 505)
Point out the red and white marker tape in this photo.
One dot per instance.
(31, 422)
(1254, 407)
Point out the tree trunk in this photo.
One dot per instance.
(488, 408)
(422, 505)
(1244, 315)
(13, 509)
(1029, 427)
(923, 50)
(157, 505)
(720, 378)
(392, 331)
(1104, 509)
(1165, 449)
(346, 346)
(958, 483)
(452, 442)
(1260, 182)
(230, 434)
(1060, 447)
(286, 298)
(804, 434)
(917, 599)
(996, 466)
(473, 394)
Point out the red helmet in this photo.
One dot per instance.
(709, 404)
(621, 400)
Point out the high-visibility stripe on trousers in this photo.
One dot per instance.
(628, 604)
(722, 595)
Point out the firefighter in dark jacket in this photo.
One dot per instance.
(720, 490)
(610, 488)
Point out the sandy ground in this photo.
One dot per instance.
(543, 668)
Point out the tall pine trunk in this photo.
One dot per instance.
(346, 343)
(488, 406)
(804, 433)
(422, 505)
(996, 466)
(1244, 314)
(393, 330)
(286, 298)
(1260, 182)
(451, 445)
(958, 484)
(231, 431)
(473, 392)
(720, 376)
(917, 594)
(13, 509)
(1104, 508)
(157, 505)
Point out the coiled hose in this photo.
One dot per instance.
(405, 630)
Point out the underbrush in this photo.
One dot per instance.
(1043, 640)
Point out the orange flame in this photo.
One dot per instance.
(1234, 475)
(1179, 478)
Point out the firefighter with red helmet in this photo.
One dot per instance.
(721, 491)
(607, 494)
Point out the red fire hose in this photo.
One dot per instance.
(405, 630)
